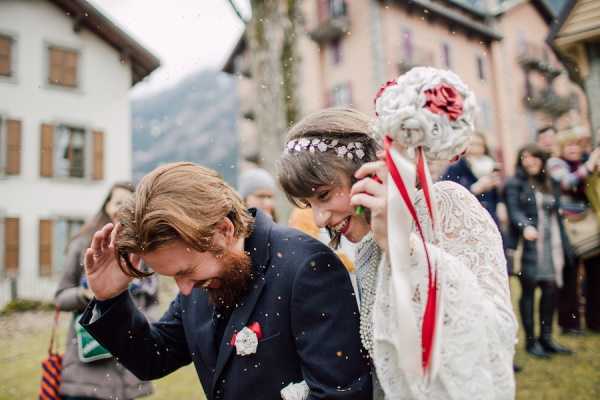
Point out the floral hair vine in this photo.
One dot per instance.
(348, 150)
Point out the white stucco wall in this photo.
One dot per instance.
(100, 102)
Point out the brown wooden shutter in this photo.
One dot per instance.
(46, 226)
(70, 68)
(46, 150)
(13, 147)
(98, 154)
(5, 56)
(11, 245)
(55, 67)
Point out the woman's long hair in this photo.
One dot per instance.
(541, 179)
(101, 218)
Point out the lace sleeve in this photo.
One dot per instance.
(479, 328)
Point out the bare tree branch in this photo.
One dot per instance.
(237, 11)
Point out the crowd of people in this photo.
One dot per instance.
(536, 205)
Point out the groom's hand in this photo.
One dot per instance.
(105, 277)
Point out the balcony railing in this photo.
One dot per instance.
(333, 22)
(549, 102)
(536, 57)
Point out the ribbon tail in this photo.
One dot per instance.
(406, 340)
(426, 182)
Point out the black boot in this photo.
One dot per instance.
(550, 346)
(534, 348)
(547, 309)
(526, 307)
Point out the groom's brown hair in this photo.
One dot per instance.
(178, 201)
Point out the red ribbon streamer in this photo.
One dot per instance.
(429, 317)
(254, 327)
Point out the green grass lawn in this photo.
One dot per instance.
(24, 340)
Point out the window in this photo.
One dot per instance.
(446, 56)
(64, 230)
(69, 152)
(336, 51)
(63, 67)
(341, 95)
(407, 46)
(54, 237)
(6, 56)
(74, 152)
(481, 68)
(337, 8)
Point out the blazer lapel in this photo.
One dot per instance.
(257, 247)
(206, 331)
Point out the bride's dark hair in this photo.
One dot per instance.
(300, 174)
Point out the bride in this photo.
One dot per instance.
(436, 316)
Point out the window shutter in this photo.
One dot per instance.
(55, 70)
(47, 143)
(5, 56)
(13, 147)
(70, 68)
(98, 155)
(11, 246)
(45, 244)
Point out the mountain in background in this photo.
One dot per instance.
(195, 120)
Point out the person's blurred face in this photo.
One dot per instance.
(547, 140)
(572, 151)
(117, 198)
(332, 209)
(476, 147)
(532, 165)
(261, 199)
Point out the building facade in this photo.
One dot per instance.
(576, 39)
(498, 47)
(65, 134)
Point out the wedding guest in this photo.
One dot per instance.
(257, 187)
(546, 140)
(533, 202)
(103, 378)
(570, 170)
(478, 172)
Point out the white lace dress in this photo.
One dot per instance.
(479, 326)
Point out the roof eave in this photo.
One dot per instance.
(143, 62)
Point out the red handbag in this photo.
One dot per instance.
(51, 368)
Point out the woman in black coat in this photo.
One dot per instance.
(532, 200)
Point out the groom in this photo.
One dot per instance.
(260, 306)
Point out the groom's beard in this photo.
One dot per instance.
(234, 282)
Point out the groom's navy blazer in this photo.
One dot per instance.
(302, 298)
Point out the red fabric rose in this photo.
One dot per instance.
(382, 89)
(444, 99)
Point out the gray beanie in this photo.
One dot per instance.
(254, 180)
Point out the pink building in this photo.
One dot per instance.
(352, 47)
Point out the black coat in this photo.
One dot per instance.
(461, 173)
(522, 211)
(301, 297)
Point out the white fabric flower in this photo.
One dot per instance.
(295, 391)
(246, 342)
(402, 114)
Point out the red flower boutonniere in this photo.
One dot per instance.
(246, 340)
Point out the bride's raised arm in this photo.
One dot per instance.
(477, 331)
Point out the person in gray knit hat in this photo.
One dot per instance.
(257, 188)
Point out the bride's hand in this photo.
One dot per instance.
(371, 192)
